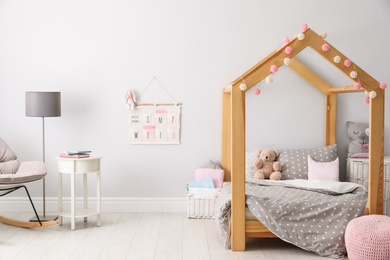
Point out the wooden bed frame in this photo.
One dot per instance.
(233, 128)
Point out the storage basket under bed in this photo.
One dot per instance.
(357, 172)
(200, 208)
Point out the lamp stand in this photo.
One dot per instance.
(43, 217)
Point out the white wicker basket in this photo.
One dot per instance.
(357, 172)
(200, 208)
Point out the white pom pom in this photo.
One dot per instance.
(337, 59)
(353, 74)
(269, 79)
(301, 36)
(323, 35)
(367, 93)
(287, 61)
(372, 94)
(243, 87)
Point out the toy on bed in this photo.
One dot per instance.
(358, 136)
(266, 166)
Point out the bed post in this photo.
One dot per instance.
(330, 119)
(226, 153)
(238, 169)
(375, 183)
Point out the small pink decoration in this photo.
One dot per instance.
(256, 91)
(367, 100)
(274, 69)
(358, 85)
(347, 63)
(286, 39)
(325, 47)
(304, 27)
(288, 50)
(383, 85)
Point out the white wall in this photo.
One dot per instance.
(93, 51)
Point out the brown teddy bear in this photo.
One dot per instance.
(267, 168)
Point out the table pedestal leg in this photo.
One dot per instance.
(98, 188)
(85, 194)
(60, 197)
(72, 202)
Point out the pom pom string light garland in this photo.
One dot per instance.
(243, 87)
(357, 85)
(273, 69)
(325, 47)
(372, 94)
(269, 79)
(347, 63)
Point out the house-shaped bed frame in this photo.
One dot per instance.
(233, 128)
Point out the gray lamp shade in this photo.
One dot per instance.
(43, 104)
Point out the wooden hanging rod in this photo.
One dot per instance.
(159, 104)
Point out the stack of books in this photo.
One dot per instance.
(75, 154)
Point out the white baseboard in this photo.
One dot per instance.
(22, 204)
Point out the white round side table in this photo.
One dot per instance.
(82, 166)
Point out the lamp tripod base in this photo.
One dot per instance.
(44, 218)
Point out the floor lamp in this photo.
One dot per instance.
(43, 104)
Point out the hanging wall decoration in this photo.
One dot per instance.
(154, 123)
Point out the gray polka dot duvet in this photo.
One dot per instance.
(312, 215)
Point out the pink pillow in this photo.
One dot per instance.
(359, 155)
(323, 170)
(216, 174)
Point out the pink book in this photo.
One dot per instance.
(64, 155)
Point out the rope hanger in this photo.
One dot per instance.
(159, 104)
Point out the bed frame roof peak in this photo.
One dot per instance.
(262, 69)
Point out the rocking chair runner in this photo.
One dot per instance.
(13, 177)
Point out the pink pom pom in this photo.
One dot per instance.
(274, 69)
(325, 47)
(367, 100)
(358, 85)
(347, 63)
(256, 91)
(383, 85)
(304, 27)
(288, 50)
(286, 39)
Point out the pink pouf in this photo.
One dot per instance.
(368, 237)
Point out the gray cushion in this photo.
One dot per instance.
(9, 167)
(294, 162)
(28, 171)
(250, 169)
(6, 154)
(358, 138)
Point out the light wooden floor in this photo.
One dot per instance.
(135, 236)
